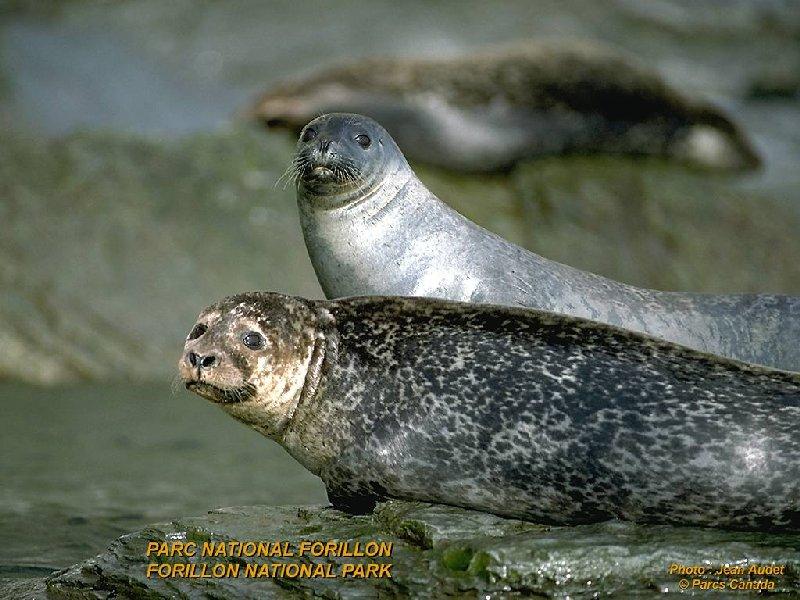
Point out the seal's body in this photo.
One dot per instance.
(513, 411)
(377, 229)
(487, 111)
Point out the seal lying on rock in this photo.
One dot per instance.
(371, 227)
(512, 411)
(486, 112)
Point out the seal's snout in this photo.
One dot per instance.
(280, 111)
(324, 159)
(199, 361)
(335, 155)
(325, 151)
(275, 123)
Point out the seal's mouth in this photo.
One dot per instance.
(322, 172)
(313, 169)
(221, 395)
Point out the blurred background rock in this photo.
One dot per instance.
(131, 197)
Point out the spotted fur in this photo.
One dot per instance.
(534, 415)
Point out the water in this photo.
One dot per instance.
(82, 465)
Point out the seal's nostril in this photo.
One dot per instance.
(191, 358)
(324, 145)
(208, 361)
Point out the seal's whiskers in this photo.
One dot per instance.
(175, 384)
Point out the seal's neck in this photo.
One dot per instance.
(308, 433)
(355, 248)
(377, 188)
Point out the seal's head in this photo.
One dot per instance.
(251, 353)
(341, 157)
(291, 105)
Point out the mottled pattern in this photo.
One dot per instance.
(547, 418)
(487, 111)
(512, 411)
(396, 238)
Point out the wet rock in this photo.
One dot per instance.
(437, 552)
(23, 589)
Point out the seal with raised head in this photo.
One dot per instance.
(512, 411)
(487, 111)
(373, 228)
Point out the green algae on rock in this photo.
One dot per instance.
(437, 551)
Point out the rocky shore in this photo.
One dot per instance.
(435, 551)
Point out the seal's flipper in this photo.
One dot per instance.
(349, 502)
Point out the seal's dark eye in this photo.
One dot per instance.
(197, 331)
(363, 140)
(309, 134)
(254, 340)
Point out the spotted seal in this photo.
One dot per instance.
(487, 111)
(371, 227)
(516, 412)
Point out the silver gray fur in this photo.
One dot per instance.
(387, 234)
(515, 411)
